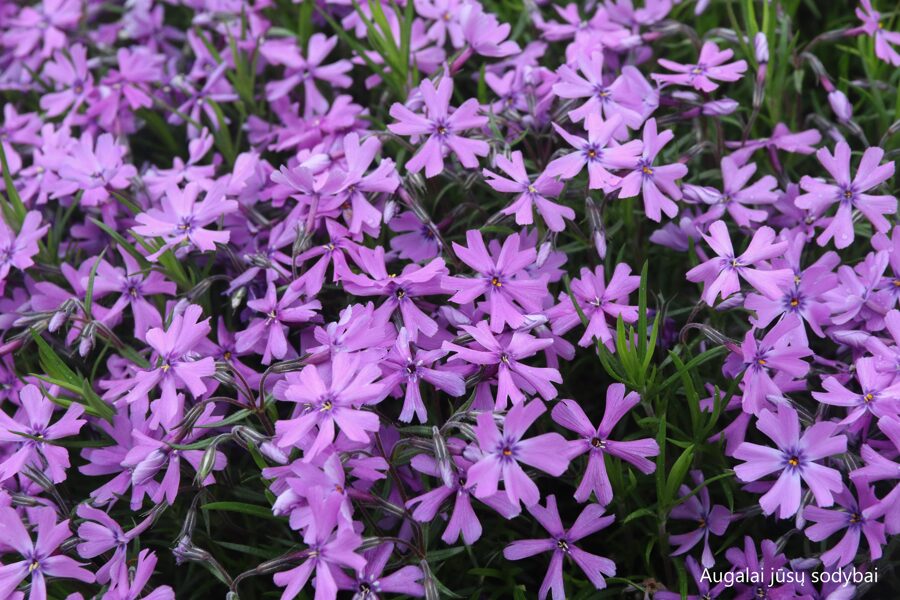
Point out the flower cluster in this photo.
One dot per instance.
(306, 298)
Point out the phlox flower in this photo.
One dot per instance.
(134, 287)
(329, 400)
(410, 366)
(855, 519)
(599, 301)
(483, 33)
(596, 153)
(178, 366)
(95, 169)
(370, 583)
(37, 451)
(502, 453)
(39, 557)
(720, 274)
(267, 334)
(506, 352)
(130, 584)
(885, 40)
(710, 519)
(735, 194)
(183, 220)
(879, 467)
(355, 183)
(849, 193)
(502, 278)
(710, 67)
(403, 292)
(531, 194)
(768, 362)
(153, 454)
(72, 78)
(746, 560)
(656, 184)
(306, 69)
(596, 443)
(45, 24)
(463, 520)
(878, 395)
(99, 533)
(615, 98)
(327, 551)
(562, 544)
(442, 127)
(18, 248)
(794, 459)
(18, 128)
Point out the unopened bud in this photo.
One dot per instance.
(720, 108)
(761, 48)
(841, 106)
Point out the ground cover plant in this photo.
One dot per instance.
(449, 299)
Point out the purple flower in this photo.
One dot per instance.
(401, 365)
(599, 302)
(267, 335)
(531, 194)
(794, 459)
(38, 451)
(747, 562)
(710, 519)
(17, 249)
(483, 33)
(778, 353)
(94, 169)
(327, 551)
(881, 468)
(326, 401)
(615, 98)
(735, 194)
(878, 396)
(442, 128)
(855, 519)
(506, 353)
(305, 69)
(710, 68)
(596, 153)
(99, 533)
(182, 220)
(135, 289)
(849, 193)
(501, 454)
(595, 441)
(651, 181)
(130, 584)
(720, 274)
(873, 25)
(463, 520)
(403, 292)
(355, 183)
(370, 582)
(72, 78)
(178, 366)
(562, 544)
(503, 279)
(39, 558)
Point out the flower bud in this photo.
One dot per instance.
(720, 108)
(841, 106)
(761, 48)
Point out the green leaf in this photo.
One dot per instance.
(14, 212)
(57, 370)
(678, 472)
(244, 508)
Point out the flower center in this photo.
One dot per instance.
(598, 443)
(495, 281)
(868, 397)
(562, 545)
(646, 170)
(795, 302)
(794, 460)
